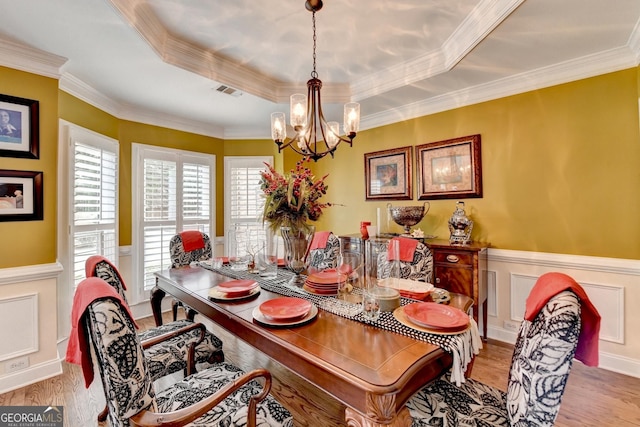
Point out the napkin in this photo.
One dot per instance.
(192, 240)
(407, 247)
(320, 239)
(551, 284)
(78, 351)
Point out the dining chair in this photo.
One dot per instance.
(170, 356)
(222, 395)
(418, 266)
(184, 248)
(324, 250)
(540, 366)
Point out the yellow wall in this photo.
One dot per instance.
(561, 169)
(33, 242)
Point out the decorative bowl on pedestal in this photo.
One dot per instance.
(408, 216)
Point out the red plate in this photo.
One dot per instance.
(436, 316)
(327, 277)
(285, 308)
(237, 288)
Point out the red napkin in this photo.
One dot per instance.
(192, 240)
(78, 351)
(406, 247)
(549, 285)
(90, 267)
(320, 239)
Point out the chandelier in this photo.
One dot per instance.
(315, 137)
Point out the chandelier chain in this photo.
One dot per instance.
(314, 74)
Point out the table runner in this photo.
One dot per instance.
(463, 347)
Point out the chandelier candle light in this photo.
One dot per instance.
(306, 115)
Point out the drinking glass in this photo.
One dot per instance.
(268, 256)
(238, 256)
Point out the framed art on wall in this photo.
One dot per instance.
(20, 195)
(388, 174)
(450, 169)
(19, 127)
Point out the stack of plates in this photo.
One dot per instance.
(437, 317)
(325, 282)
(408, 288)
(234, 289)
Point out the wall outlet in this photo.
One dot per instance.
(16, 364)
(512, 326)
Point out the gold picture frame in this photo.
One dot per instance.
(388, 174)
(449, 169)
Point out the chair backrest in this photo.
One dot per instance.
(99, 266)
(421, 268)
(118, 353)
(326, 257)
(180, 257)
(542, 360)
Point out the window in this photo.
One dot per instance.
(88, 205)
(242, 200)
(172, 191)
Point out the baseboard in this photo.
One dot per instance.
(610, 362)
(30, 375)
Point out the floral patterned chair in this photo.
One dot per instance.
(222, 395)
(181, 257)
(325, 257)
(540, 367)
(420, 268)
(172, 355)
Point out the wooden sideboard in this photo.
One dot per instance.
(456, 268)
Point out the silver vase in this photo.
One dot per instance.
(296, 251)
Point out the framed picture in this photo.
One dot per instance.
(450, 169)
(388, 174)
(19, 127)
(20, 195)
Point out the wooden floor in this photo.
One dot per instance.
(593, 397)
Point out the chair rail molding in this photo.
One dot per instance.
(29, 273)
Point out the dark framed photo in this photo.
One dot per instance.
(20, 195)
(19, 127)
(388, 174)
(450, 169)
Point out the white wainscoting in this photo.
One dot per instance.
(28, 319)
(612, 285)
(18, 310)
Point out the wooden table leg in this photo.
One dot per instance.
(156, 303)
(381, 413)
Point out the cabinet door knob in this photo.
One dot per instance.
(438, 280)
(453, 258)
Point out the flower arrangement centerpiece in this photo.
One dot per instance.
(294, 199)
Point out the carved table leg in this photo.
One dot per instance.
(156, 303)
(380, 413)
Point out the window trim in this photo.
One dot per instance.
(67, 132)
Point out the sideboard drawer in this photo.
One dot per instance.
(461, 258)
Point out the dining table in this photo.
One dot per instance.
(372, 367)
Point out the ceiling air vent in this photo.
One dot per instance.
(229, 90)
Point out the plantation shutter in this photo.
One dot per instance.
(95, 204)
(243, 201)
(176, 195)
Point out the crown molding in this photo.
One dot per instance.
(565, 72)
(76, 87)
(19, 56)
(485, 17)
